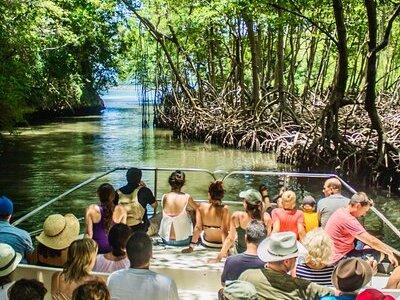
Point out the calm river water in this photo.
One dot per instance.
(43, 161)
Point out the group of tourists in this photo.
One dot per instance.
(273, 249)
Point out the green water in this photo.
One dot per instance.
(42, 162)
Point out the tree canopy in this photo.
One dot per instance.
(55, 55)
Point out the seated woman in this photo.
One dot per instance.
(315, 265)
(117, 258)
(254, 210)
(53, 242)
(80, 261)
(100, 218)
(212, 219)
(288, 218)
(134, 197)
(176, 227)
(9, 260)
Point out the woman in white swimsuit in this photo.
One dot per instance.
(176, 228)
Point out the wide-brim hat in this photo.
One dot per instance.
(351, 274)
(9, 259)
(59, 231)
(280, 246)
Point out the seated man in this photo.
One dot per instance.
(237, 264)
(333, 200)
(280, 251)
(343, 228)
(138, 282)
(17, 238)
(349, 276)
(134, 197)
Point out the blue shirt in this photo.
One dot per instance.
(235, 265)
(129, 284)
(341, 297)
(17, 238)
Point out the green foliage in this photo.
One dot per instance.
(55, 54)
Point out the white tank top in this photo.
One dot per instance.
(182, 224)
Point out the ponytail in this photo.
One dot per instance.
(104, 192)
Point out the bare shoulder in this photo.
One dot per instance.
(225, 209)
(93, 208)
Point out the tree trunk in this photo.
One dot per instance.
(254, 49)
(331, 111)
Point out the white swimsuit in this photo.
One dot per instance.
(182, 224)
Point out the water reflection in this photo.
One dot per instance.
(44, 161)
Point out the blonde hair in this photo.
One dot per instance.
(319, 247)
(288, 200)
(79, 259)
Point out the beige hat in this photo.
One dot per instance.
(9, 259)
(280, 246)
(59, 231)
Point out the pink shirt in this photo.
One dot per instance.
(288, 219)
(342, 228)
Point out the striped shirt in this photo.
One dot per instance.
(319, 276)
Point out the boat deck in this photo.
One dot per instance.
(196, 279)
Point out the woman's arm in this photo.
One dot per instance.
(268, 223)
(196, 233)
(89, 221)
(192, 203)
(225, 223)
(300, 227)
(229, 240)
(276, 224)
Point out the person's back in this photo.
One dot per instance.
(288, 218)
(135, 197)
(212, 219)
(176, 228)
(279, 252)
(333, 200)
(80, 261)
(17, 238)
(138, 282)
(235, 265)
(117, 258)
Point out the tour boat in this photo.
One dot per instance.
(195, 278)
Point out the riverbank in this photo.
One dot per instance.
(297, 141)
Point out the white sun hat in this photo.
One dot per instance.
(9, 259)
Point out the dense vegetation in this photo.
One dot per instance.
(316, 81)
(55, 55)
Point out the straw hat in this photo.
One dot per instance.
(280, 246)
(9, 259)
(351, 274)
(59, 231)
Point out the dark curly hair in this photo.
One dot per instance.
(216, 191)
(177, 179)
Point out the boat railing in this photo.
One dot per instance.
(213, 174)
